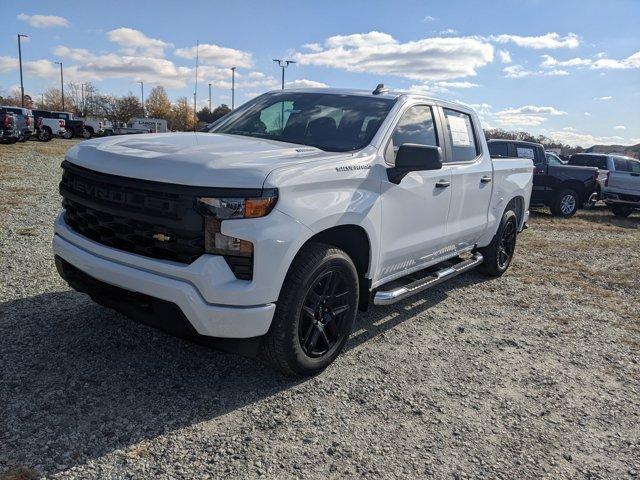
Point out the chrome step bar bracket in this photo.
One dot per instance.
(388, 297)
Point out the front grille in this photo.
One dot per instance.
(154, 219)
(133, 235)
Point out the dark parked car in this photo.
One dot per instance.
(563, 188)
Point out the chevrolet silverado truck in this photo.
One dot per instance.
(9, 131)
(26, 121)
(562, 188)
(49, 125)
(269, 232)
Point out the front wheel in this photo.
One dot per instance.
(45, 135)
(566, 204)
(621, 210)
(499, 253)
(314, 313)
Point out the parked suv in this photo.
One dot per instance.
(25, 121)
(621, 188)
(287, 217)
(563, 188)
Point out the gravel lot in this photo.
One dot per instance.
(532, 375)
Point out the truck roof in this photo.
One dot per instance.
(388, 94)
(521, 142)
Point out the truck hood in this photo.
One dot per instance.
(197, 159)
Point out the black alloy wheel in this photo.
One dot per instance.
(324, 309)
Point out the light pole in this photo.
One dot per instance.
(20, 60)
(84, 113)
(283, 64)
(209, 98)
(61, 83)
(233, 87)
(142, 96)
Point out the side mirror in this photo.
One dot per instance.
(412, 157)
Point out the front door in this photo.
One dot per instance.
(626, 176)
(414, 212)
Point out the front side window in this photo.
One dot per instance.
(463, 140)
(415, 126)
(331, 122)
(553, 160)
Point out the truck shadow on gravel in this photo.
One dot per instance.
(78, 381)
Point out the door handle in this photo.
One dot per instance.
(485, 179)
(442, 183)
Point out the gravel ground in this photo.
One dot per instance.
(533, 375)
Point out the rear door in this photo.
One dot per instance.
(471, 179)
(625, 178)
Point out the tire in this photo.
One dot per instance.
(566, 203)
(68, 134)
(87, 134)
(108, 133)
(311, 325)
(499, 253)
(23, 138)
(45, 135)
(621, 210)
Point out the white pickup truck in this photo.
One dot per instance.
(268, 233)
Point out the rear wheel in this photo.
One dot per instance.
(499, 253)
(87, 133)
(23, 138)
(45, 135)
(566, 203)
(68, 134)
(315, 311)
(621, 210)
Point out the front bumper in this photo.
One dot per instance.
(207, 319)
(621, 198)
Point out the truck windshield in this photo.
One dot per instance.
(331, 122)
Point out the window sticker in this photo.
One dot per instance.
(525, 153)
(459, 132)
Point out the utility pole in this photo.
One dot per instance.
(20, 60)
(82, 97)
(209, 98)
(233, 87)
(283, 64)
(195, 91)
(142, 96)
(61, 83)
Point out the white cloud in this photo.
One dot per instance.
(44, 21)
(550, 62)
(8, 63)
(550, 40)
(518, 71)
(304, 83)
(217, 55)
(505, 56)
(605, 98)
(379, 53)
(587, 114)
(77, 54)
(575, 138)
(135, 42)
(429, 18)
(526, 116)
(620, 127)
(448, 31)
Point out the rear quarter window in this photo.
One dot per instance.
(499, 149)
(459, 127)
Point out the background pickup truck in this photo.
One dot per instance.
(9, 132)
(49, 125)
(562, 188)
(266, 234)
(621, 187)
(25, 121)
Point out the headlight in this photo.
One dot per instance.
(215, 210)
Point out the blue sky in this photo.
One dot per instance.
(567, 69)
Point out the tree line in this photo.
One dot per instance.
(85, 101)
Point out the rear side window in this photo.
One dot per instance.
(499, 149)
(526, 152)
(599, 161)
(415, 126)
(463, 140)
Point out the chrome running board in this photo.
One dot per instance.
(387, 297)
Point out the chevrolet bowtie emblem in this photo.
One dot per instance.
(161, 237)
